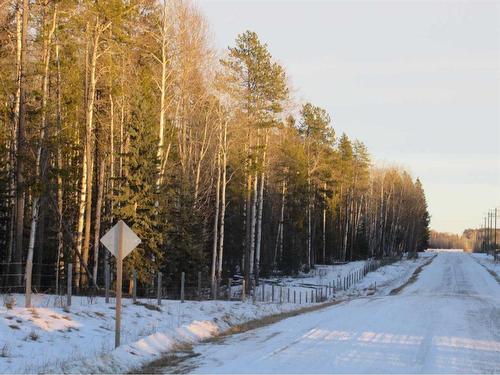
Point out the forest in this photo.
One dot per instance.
(473, 240)
(123, 109)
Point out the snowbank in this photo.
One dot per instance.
(488, 262)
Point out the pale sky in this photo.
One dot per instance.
(417, 81)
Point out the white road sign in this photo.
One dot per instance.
(130, 240)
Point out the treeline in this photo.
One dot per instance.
(475, 240)
(122, 110)
(443, 240)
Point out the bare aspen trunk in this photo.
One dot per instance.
(38, 172)
(324, 223)
(353, 210)
(253, 224)
(111, 172)
(204, 147)
(81, 216)
(259, 226)
(216, 223)
(98, 208)
(60, 243)
(21, 149)
(346, 228)
(89, 146)
(248, 212)
(98, 29)
(29, 259)
(14, 140)
(83, 184)
(31, 245)
(278, 249)
(88, 213)
(309, 224)
(163, 90)
(260, 209)
(381, 218)
(120, 161)
(223, 200)
(384, 234)
(85, 203)
(248, 255)
(111, 155)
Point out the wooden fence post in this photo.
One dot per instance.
(254, 290)
(263, 292)
(243, 287)
(229, 289)
(272, 293)
(199, 286)
(134, 287)
(70, 284)
(183, 276)
(158, 291)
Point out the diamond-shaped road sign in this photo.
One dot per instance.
(130, 240)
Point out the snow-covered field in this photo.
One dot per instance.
(49, 338)
(446, 321)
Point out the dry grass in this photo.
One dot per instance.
(148, 306)
(9, 301)
(33, 336)
(5, 351)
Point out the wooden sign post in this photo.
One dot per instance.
(120, 241)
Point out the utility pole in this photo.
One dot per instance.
(490, 230)
(495, 238)
(495, 235)
(481, 233)
(485, 235)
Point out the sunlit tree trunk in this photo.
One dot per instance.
(278, 246)
(21, 148)
(223, 200)
(260, 199)
(60, 239)
(98, 208)
(324, 225)
(14, 139)
(216, 222)
(39, 171)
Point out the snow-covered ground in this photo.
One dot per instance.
(382, 281)
(50, 338)
(446, 250)
(446, 321)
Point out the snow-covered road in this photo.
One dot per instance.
(448, 320)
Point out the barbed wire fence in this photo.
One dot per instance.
(196, 287)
